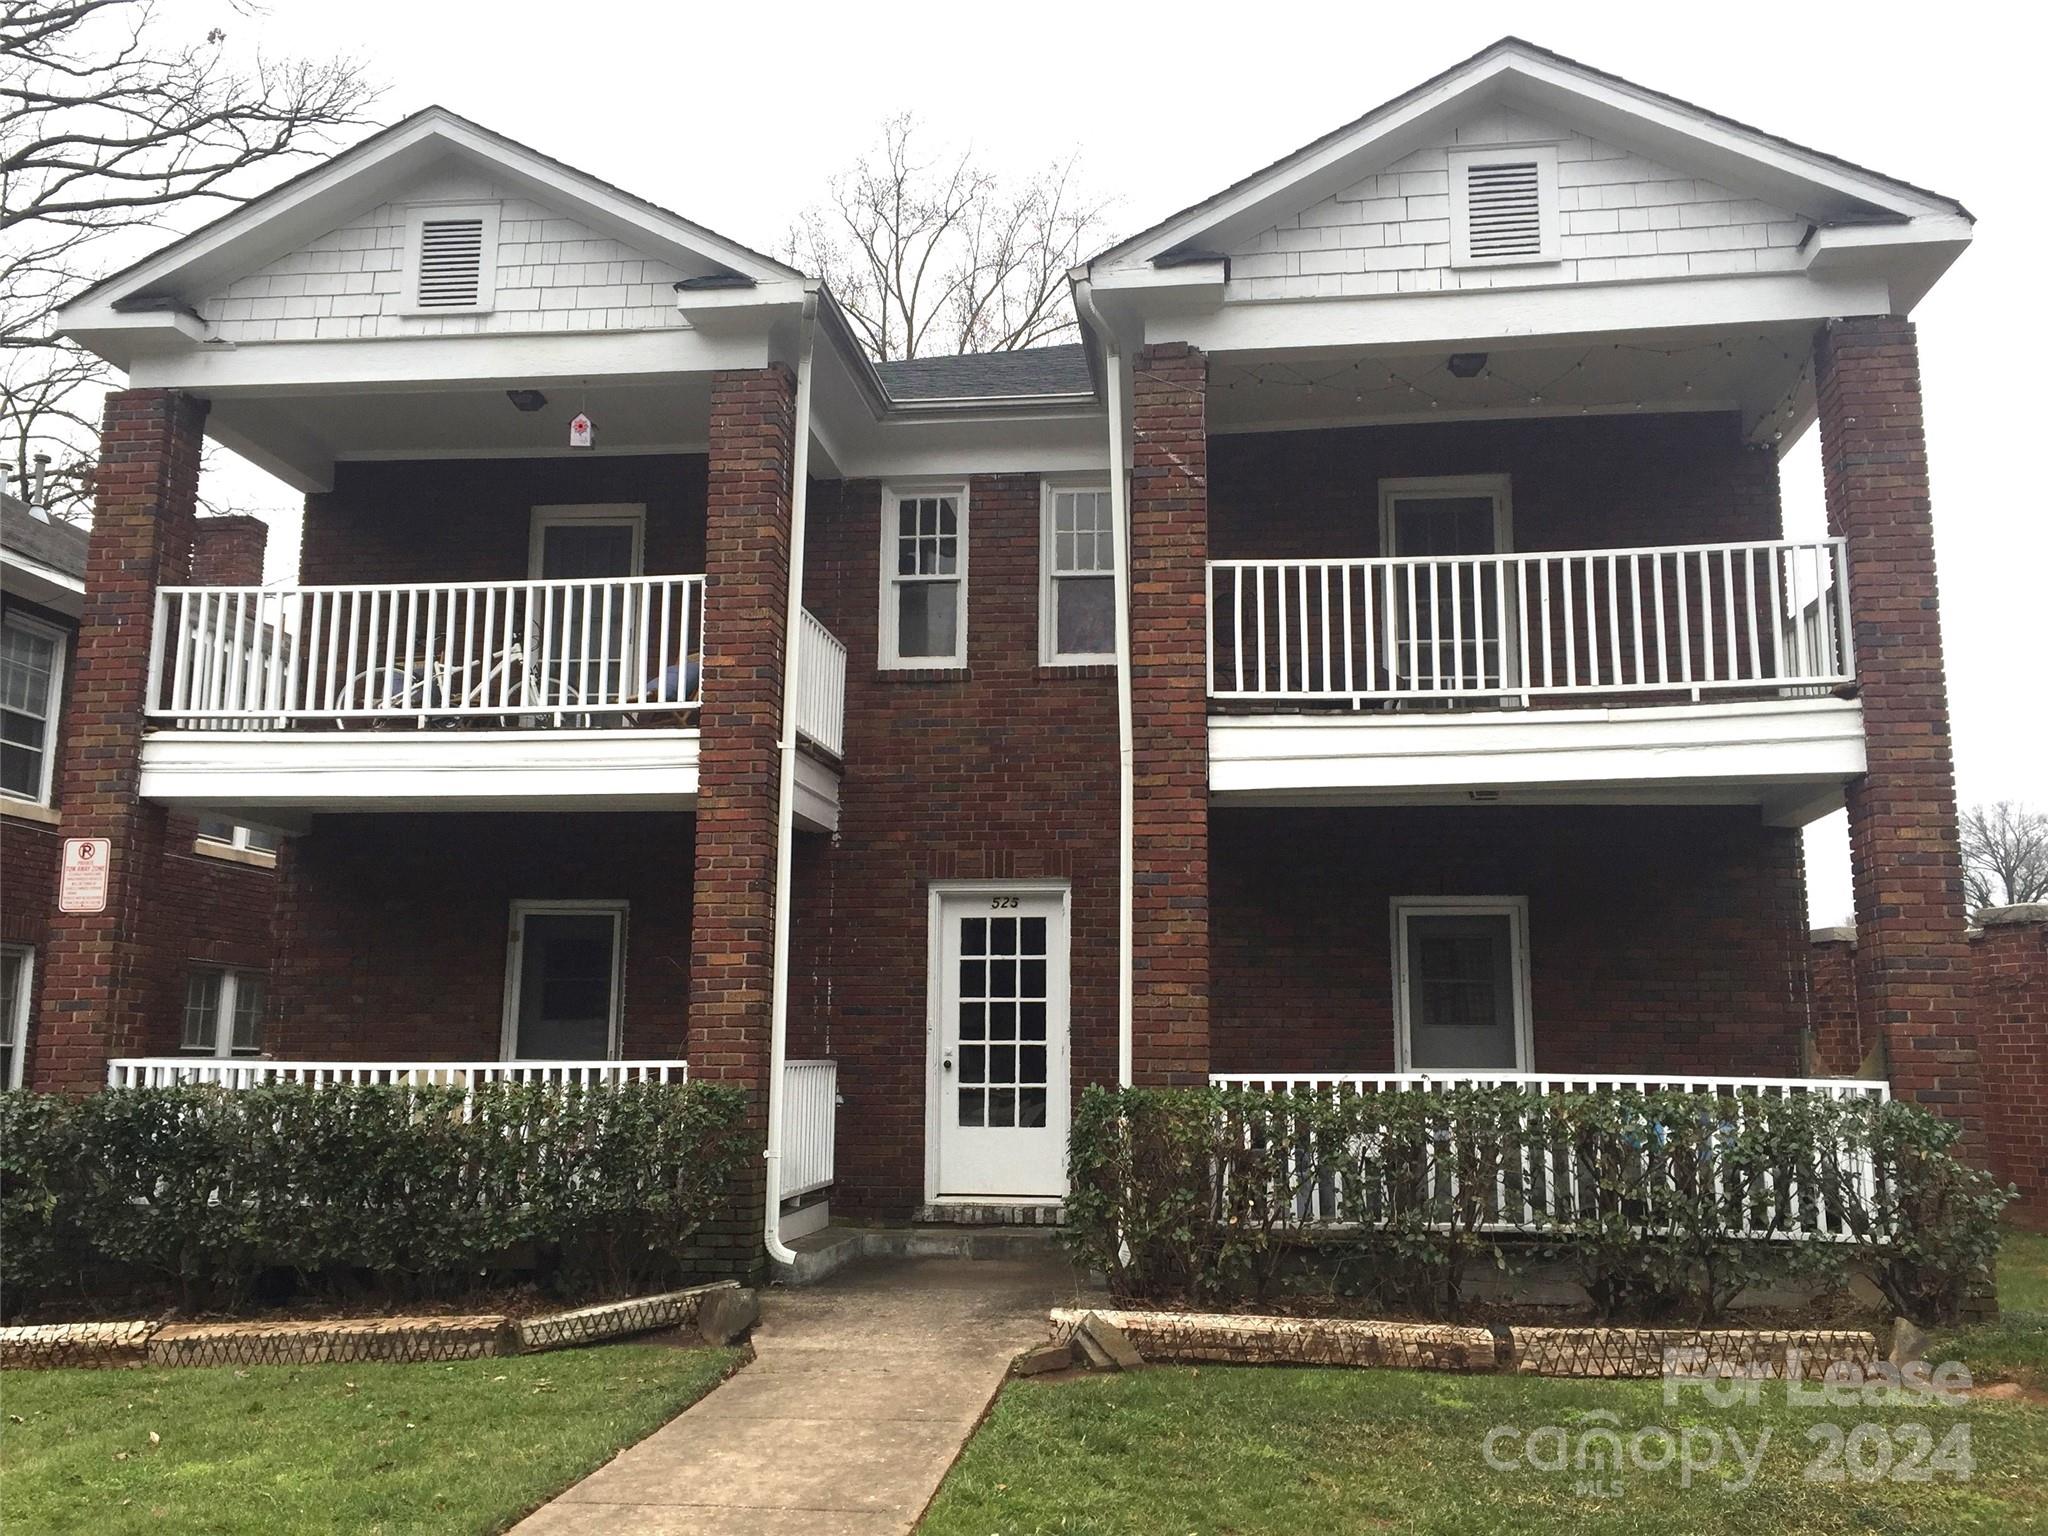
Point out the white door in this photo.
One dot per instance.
(999, 1043)
(563, 970)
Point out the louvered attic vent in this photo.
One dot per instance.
(450, 253)
(1504, 206)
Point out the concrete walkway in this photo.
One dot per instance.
(863, 1391)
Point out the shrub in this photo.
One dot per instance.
(1659, 1202)
(423, 1188)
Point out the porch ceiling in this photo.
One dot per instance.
(1760, 371)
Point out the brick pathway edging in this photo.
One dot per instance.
(343, 1340)
(1232, 1339)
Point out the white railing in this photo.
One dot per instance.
(1538, 1177)
(232, 1072)
(1682, 620)
(821, 687)
(810, 1115)
(532, 652)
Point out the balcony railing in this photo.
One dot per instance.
(1481, 629)
(821, 687)
(810, 1115)
(231, 1072)
(1538, 1178)
(536, 653)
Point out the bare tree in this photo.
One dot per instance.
(934, 252)
(117, 121)
(2005, 855)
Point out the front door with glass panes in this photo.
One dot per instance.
(1461, 985)
(1451, 614)
(562, 975)
(999, 1043)
(579, 628)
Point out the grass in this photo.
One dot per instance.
(371, 1450)
(1221, 1451)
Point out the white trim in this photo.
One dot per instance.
(417, 216)
(52, 722)
(1444, 488)
(1544, 158)
(35, 582)
(618, 911)
(1051, 488)
(887, 655)
(1059, 1068)
(1516, 910)
(17, 1010)
(614, 514)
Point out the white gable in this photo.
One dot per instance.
(552, 273)
(1620, 217)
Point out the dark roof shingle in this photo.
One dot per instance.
(58, 545)
(1061, 370)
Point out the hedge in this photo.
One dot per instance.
(1660, 1203)
(418, 1190)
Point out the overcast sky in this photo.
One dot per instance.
(735, 116)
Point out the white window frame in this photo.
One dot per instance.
(619, 912)
(889, 656)
(487, 265)
(1516, 910)
(237, 841)
(1049, 653)
(59, 660)
(615, 514)
(223, 1045)
(1548, 220)
(1449, 488)
(17, 1010)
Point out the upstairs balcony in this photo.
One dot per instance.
(276, 703)
(1699, 673)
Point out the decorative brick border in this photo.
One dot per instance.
(338, 1340)
(1230, 1339)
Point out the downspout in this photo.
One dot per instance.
(785, 807)
(1120, 545)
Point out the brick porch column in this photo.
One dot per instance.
(1169, 715)
(746, 567)
(1912, 962)
(104, 992)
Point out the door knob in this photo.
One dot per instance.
(946, 1063)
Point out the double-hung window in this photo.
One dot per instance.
(223, 1012)
(232, 834)
(17, 974)
(1077, 596)
(31, 689)
(924, 578)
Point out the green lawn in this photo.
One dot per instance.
(370, 1450)
(1262, 1452)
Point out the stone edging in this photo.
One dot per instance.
(392, 1339)
(1233, 1339)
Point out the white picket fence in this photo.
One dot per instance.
(810, 1115)
(1537, 1177)
(545, 652)
(1687, 619)
(244, 1072)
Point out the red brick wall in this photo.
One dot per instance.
(470, 519)
(1170, 546)
(228, 551)
(107, 985)
(1839, 1046)
(393, 927)
(2009, 961)
(1002, 770)
(1661, 939)
(1913, 982)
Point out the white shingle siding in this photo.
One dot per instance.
(552, 274)
(1621, 218)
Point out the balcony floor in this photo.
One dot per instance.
(1791, 757)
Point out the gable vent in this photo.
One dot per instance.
(1504, 207)
(451, 263)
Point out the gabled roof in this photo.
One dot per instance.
(1035, 371)
(1825, 188)
(23, 535)
(327, 194)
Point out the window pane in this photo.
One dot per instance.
(216, 829)
(261, 839)
(27, 659)
(1086, 620)
(202, 1010)
(13, 998)
(248, 1012)
(927, 621)
(1444, 525)
(21, 770)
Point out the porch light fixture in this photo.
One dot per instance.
(526, 400)
(1467, 365)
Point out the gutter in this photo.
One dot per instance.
(1120, 545)
(780, 1252)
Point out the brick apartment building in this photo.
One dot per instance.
(1373, 647)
